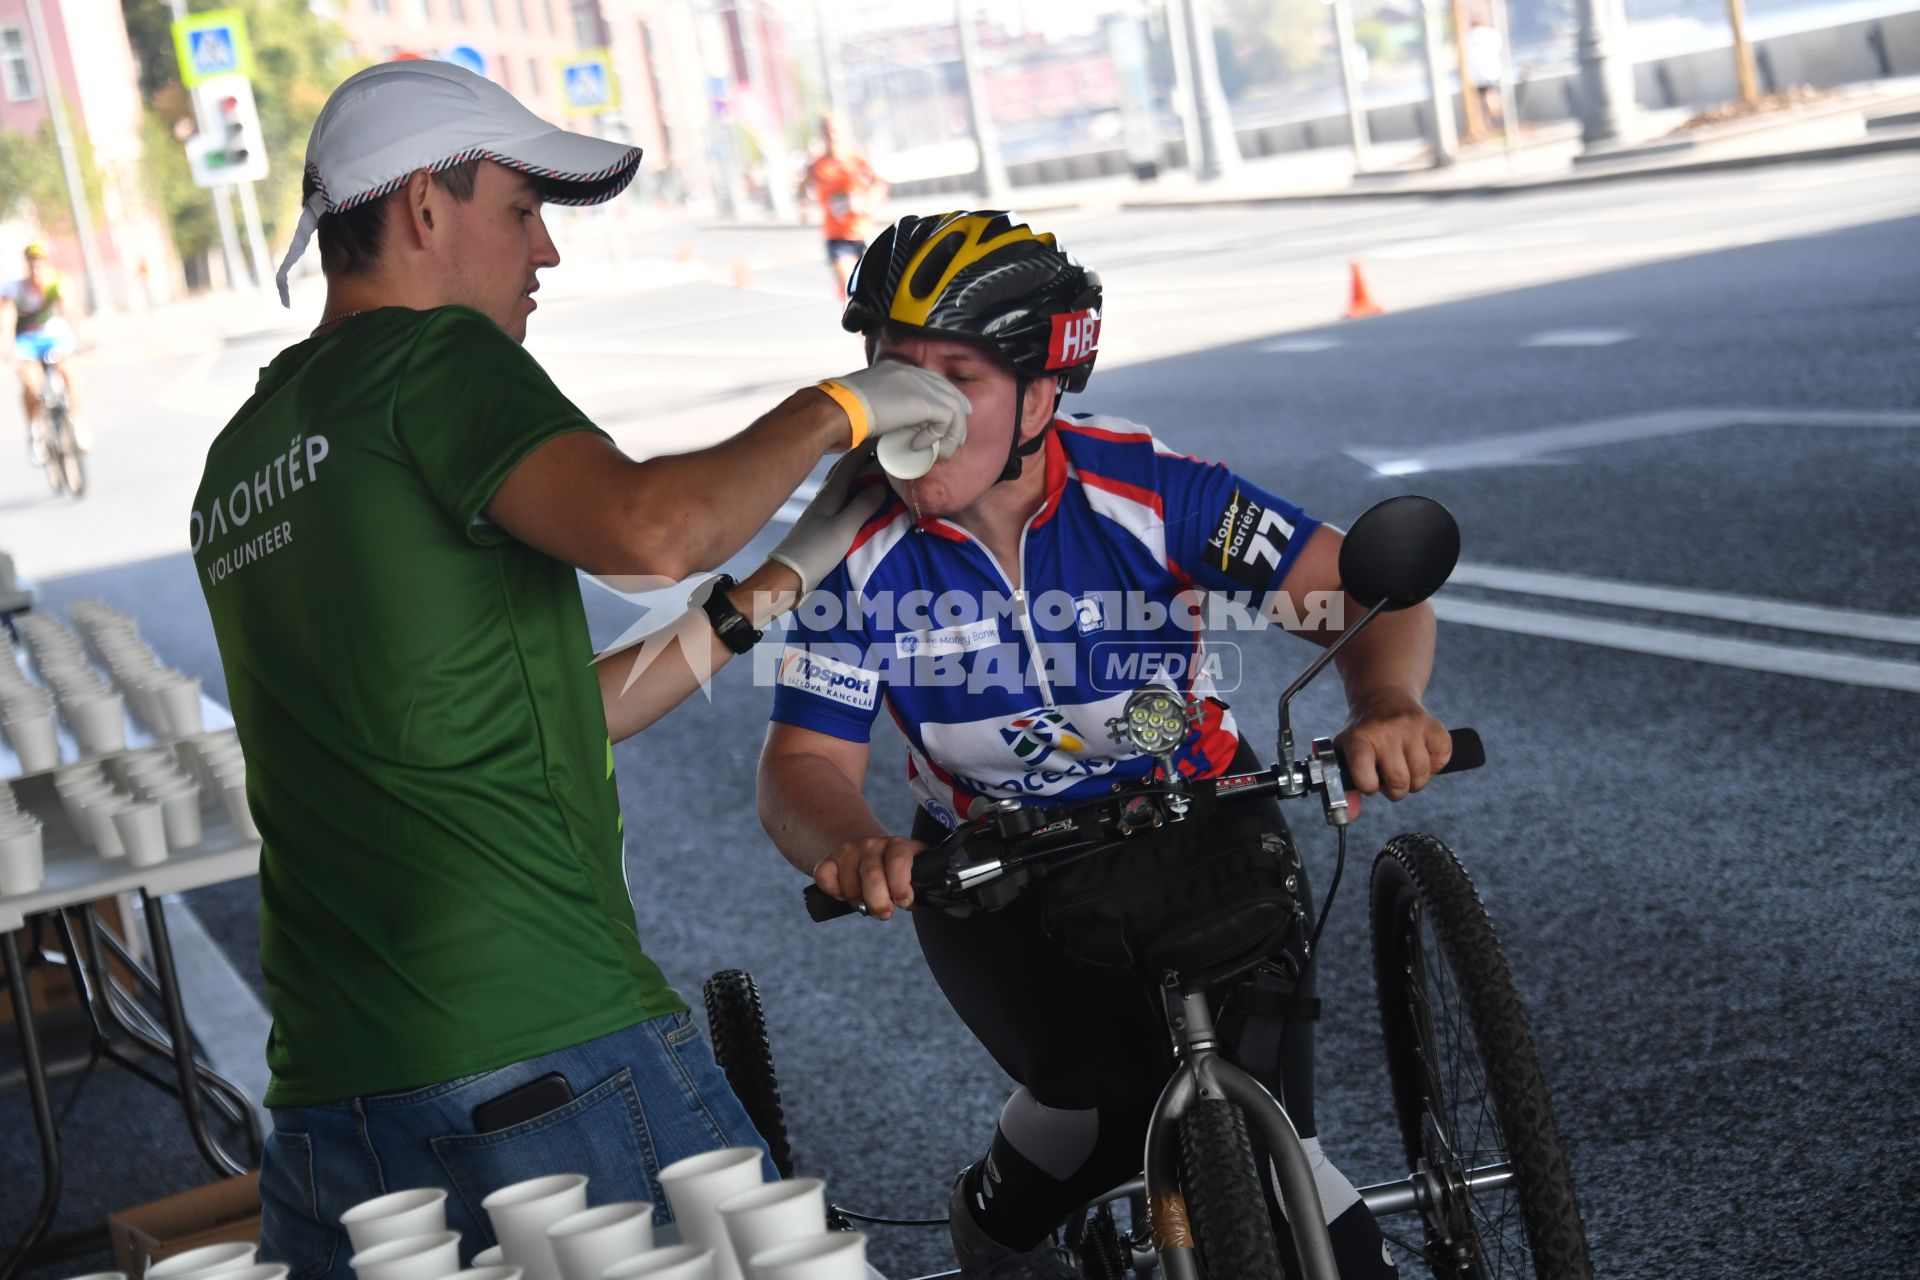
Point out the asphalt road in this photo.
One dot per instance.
(1695, 830)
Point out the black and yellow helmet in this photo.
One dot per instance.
(982, 277)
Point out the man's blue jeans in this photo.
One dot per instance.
(643, 1098)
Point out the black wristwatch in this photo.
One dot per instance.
(731, 625)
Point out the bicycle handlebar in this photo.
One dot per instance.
(945, 877)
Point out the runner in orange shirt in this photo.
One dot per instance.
(846, 187)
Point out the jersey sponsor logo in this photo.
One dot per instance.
(983, 634)
(1243, 544)
(1039, 733)
(1089, 613)
(823, 677)
(1121, 666)
(1075, 339)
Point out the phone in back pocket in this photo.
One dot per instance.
(528, 1102)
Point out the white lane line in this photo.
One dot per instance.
(1301, 346)
(1579, 338)
(1786, 660)
(1523, 446)
(1721, 606)
(226, 1016)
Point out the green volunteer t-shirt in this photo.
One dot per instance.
(442, 890)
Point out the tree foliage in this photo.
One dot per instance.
(1265, 43)
(33, 181)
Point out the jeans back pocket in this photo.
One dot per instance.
(292, 1227)
(602, 1133)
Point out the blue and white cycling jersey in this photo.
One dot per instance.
(1002, 692)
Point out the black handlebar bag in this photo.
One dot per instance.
(1207, 897)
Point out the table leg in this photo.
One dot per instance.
(183, 1062)
(42, 1106)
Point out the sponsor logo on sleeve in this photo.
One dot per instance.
(823, 677)
(1248, 541)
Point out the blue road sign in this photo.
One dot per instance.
(589, 85)
(213, 51)
(465, 55)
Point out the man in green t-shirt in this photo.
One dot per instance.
(387, 534)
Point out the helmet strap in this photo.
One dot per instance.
(1016, 451)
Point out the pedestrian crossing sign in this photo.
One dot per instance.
(587, 80)
(212, 44)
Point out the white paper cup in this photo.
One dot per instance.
(433, 1256)
(776, 1213)
(497, 1271)
(33, 740)
(491, 1256)
(522, 1212)
(96, 820)
(234, 794)
(22, 862)
(179, 700)
(421, 1211)
(587, 1243)
(208, 1258)
(99, 721)
(695, 1187)
(675, 1262)
(142, 832)
(180, 811)
(899, 459)
(258, 1271)
(837, 1255)
(102, 1275)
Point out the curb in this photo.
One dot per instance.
(1869, 146)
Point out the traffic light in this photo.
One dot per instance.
(230, 148)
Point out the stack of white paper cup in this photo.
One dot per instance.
(97, 810)
(773, 1214)
(28, 723)
(207, 1260)
(418, 1212)
(433, 1255)
(498, 1271)
(675, 1262)
(522, 1212)
(22, 854)
(836, 1255)
(585, 1244)
(695, 1188)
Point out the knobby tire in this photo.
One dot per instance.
(1467, 1086)
(737, 1024)
(1224, 1200)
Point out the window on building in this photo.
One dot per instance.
(533, 74)
(521, 5)
(493, 12)
(458, 8)
(381, 7)
(506, 73)
(16, 65)
(586, 31)
(552, 30)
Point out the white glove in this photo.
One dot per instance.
(821, 537)
(890, 396)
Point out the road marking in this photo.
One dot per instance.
(1301, 346)
(1667, 642)
(1530, 446)
(1579, 338)
(1721, 606)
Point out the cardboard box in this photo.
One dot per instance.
(217, 1213)
(50, 987)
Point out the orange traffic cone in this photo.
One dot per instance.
(684, 253)
(1360, 303)
(741, 279)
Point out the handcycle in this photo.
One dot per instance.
(1489, 1192)
(53, 441)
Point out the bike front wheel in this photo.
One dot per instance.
(1224, 1200)
(66, 466)
(737, 1025)
(1467, 1085)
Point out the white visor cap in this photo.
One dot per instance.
(383, 123)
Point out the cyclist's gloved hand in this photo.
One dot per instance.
(825, 530)
(890, 396)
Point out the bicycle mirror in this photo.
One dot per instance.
(1400, 551)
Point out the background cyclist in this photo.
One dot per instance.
(1097, 514)
(35, 309)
